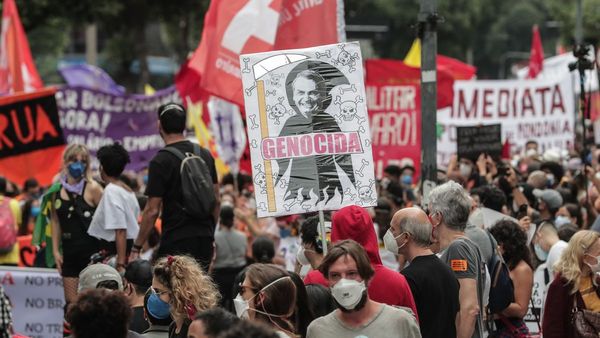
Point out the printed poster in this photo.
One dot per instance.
(308, 129)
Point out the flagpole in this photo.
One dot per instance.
(428, 19)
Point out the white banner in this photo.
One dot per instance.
(538, 297)
(540, 110)
(37, 300)
(308, 129)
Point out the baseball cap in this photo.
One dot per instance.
(550, 196)
(139, 272)
(97, 273)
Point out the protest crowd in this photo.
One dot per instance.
(459, 265)
(291, 194)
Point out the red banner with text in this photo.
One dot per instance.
(394, 104)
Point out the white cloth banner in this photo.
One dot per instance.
(540, 110)
(308, 129)
(37, 300)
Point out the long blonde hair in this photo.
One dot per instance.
(71, 152)
(191, 289)
(570, 264)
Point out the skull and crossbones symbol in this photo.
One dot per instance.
(277, 111)
(260, 179)
(344, 58)
(348, 109)
(365, 192)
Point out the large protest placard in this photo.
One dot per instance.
(30, 136)
(540, 110)
(393, 100)
(37, 300)
(96, 118)
(472, 141)
(308, 129)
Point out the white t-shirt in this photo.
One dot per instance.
(118, 209)
(554, 255)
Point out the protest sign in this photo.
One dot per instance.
(96, 118)
(30, 136)
(37, 299)
(540, 110)
(308, 130)
(538, 298)
(394, 103)
(471, 141)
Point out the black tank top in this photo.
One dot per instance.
(75, 216)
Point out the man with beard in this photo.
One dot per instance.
(348, 271)
(308, 88)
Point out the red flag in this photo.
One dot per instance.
(536, 59)
(234, 27)
(397, 72)
(457, 69)
(506, 150)
(17, 70)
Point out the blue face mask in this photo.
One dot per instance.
(145, 179)
(157, 307)
(540, 253)
(407, 179)
(35, 211)
(561, 220)
(76, 169)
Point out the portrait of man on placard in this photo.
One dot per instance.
(308, 87)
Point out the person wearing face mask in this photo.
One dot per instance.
(157, 314)
(549, 201)
(433, 285)
(71, 212)
(268, 295)
(578, 272)
(180, 284)
(387, 286)
(547, 246)
(311, 251)
(136, 281)
(348, 272)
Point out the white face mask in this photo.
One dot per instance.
(595, 267)
(243, 306)
(390, 244)
(348, 292)
(301, 257)
(561, 220)
(465, 170)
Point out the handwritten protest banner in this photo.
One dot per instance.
(308, 129)
(475, 140)
(540, 110)
(96, 118)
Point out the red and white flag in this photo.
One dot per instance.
(234, 27)
(536, 59)
(17, 70)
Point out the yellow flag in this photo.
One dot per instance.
(413, 57)
(149, 90)
(204, 135)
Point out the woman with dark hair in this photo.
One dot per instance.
(268, 295)
(512, 243)
(569, 213)
(320, 300)
(303, 312)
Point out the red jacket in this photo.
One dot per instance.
(557, 310)
(387, 286)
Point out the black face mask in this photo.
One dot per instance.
(358, 307)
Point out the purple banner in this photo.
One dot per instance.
(96, 118)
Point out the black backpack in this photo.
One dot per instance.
(196, 183)
(502, 288)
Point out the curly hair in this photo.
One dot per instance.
(100, 313)
(514, 243)
(571, 261)
(191, 289)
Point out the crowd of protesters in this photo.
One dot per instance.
(459, 262)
